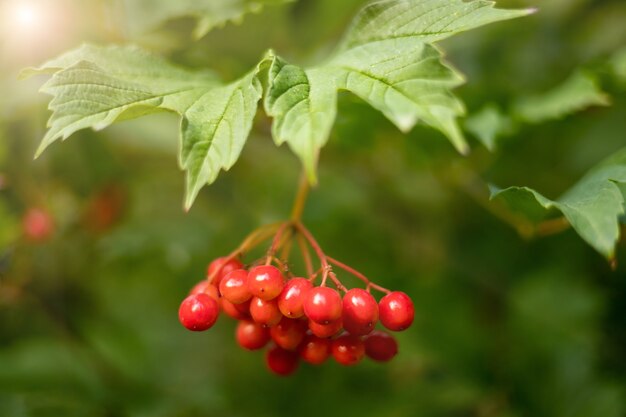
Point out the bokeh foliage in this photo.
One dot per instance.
(510, 323)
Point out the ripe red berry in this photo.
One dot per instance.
(37, 224)
(291, 299)
(220, 267)
(198, 312)
(265, 281)
(396, 311)
(265, 312)
(315, 350)
(280, 361)
(326, 330)
(234, 286)
(322, 305)
(236, 311)
(204, 287)
(251, 335)
(360, 312)
(381, 346)
(288, 333)
(348, 349)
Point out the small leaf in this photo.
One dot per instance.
(214, 130)
(593, 206)
(578, 92)
(303, 104)
(145, 15)
(94, 86)
(489, 124)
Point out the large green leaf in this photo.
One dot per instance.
(214, 130)
(144, 15)
(95, 86)
(593, 206)
(387, 59)
(303, 104)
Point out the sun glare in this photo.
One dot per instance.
(25, 14)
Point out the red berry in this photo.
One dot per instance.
(288, 333)
(381, 346)
(236, 311)
(348, 349)
(280, 361)
(265, 281)
(37, 224)
(220, 267)
(234, 286)
(322, 305)
(204, 287)
(198, 312)
(360, 312)
(265, 312)
(396, 311)
(291, 299)
(315, 350)
(251, 335)
(326, 330)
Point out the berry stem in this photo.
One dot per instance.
(357, 274)
(300, 200)
(271, 252)
(326, 268)
(306, 256)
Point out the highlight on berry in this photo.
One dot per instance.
(297, 318)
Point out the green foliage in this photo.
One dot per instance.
(391, 65)
(147, 15)
(489, 124)
(578, 92)
(593, 206)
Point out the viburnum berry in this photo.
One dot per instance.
(220, 267)
(322, 305)
(326, 330)
(348, 349)
(291, 299)
(251, 335)
(381, 346)
(265, 312)
(234, 286)
(198, 312)
(236, 311)
(265, 281)
(207, 288)
(314, 350)
(281, 361)
(360, 312)
(288, 333)
(396, 311)
(37, 224)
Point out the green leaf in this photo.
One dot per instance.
(386, 59)
(489, 124)
(593, 206)
(303, 104)
(618, 64)
(145, 15)
(214, 130)
(578, 92)
(95, 86)
(424, 21)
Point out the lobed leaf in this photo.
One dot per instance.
(489, 124)
(593, 206)
(303, 104)
(215, 129)
(95, 86)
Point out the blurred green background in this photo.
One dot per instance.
(505, 326)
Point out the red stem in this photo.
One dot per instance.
(357, 274)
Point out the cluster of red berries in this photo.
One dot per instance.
(304, 321)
